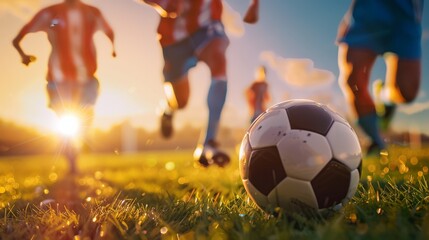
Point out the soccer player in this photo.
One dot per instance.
(191, 31)
(373, 28)
(257, 94)
(70, 27)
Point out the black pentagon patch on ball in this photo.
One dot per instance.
(266, 169)
(331, 184)
(311, 118)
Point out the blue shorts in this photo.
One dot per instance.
(182, 56)
(387, 26)
(72, 94)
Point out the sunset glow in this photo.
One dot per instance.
(131, 85)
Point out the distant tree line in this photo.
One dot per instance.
(21, 140)
(123, 137)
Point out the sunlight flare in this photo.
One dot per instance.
(69, 125)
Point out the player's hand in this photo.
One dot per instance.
(252, 14)
(27, 59)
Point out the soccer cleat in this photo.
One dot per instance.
(209, 154)
(167, 125)
(375, 150)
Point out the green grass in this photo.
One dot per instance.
(162, 195)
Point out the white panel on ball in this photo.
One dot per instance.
(292, 194)
(269, 129)
(257, 197)
(345, 145)
(304, 153)
(354, 182)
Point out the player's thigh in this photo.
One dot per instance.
(408, 78)
(61, 95)
(359, 63)
(89, 92)
(213, 54)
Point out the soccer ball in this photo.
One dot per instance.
(300, 154)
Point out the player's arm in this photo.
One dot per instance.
(38, 23)
(25, 59)
(107, 29)
(160, 7)
(252, 13)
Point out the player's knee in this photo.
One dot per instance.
(182, 103)
(409, 96)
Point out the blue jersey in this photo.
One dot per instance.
(386, 26)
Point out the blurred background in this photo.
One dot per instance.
(295, 39)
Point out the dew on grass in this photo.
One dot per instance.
(170, 166)
(369, 178)
(53, 177)
(414, 161)
(163, 230)
(352, 218)
(98, 175)
(384, 160)
(182, 180)
(403, 169)
(371, 168)
(386, 170)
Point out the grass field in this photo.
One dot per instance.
(161, 195)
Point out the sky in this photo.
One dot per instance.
(295, 39)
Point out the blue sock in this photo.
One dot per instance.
(369, 124)
(215, 101)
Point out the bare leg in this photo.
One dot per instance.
(402, 79)
(214, 56)
(177, 94)
(355, 67)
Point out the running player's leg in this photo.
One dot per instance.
(408, 77)
(178, 59)
(88, 95)
(403, 78)
(59, 95)
(355, 66)
(214, 56)
(403, 62)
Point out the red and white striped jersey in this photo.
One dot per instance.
(180, 18)
(70, 31)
